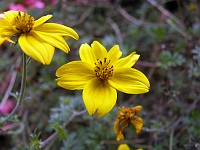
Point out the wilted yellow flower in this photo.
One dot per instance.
(36, 38)
(123, 147)
(125, 117)
(100, 73)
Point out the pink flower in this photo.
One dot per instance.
(7, 107)
(82, 1)
(14, 6)
(35, 4)
(53, 2)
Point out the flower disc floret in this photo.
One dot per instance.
(103, 69)
(23, 22)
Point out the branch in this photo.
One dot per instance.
(154, 130)
(172, 20)
(55, 134)
(190, 108)
(48, 140)
(130, 18)
(22, 90)
(11, 83)
(116, 30)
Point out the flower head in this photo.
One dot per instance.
(7, 107)
(126, 116)
(35, 4)
(14, 6)
(36, 38)
(100, 73)
(123, 147)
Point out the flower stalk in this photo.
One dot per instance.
(22, 90)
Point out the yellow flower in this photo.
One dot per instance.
(36, 38)
(100, 73)
(123, 147)
(126, 116)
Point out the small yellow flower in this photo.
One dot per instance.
(123, 147)
(192, 6)
(126, 116)
(100, 73)
(36, 38)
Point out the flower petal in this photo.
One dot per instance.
(41, 20)
(99, 97)
(57, 28)
(4, 24)
(7, 32)
(2, 39)
(87, 54)
(129, 80)
(123, 147)
(9, 15)
(55, 40)
(99, 50)
(138, 123)
(2, 16)
(137, 109)
(40, 51)
(74, 75)
(6, 28)
(114, 54)
(127, 61)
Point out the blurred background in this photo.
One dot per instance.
(166, 34)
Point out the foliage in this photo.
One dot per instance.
(168, 44)
(168, 59)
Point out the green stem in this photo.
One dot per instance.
(171, 140)
(22, 90)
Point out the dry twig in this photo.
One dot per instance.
(130, 18)
(11, 83)
(171, 19)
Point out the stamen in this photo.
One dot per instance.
(23, 22)
(104, 60)
(103, 69)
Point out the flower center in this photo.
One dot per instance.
(23, 22)
(103, 69)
